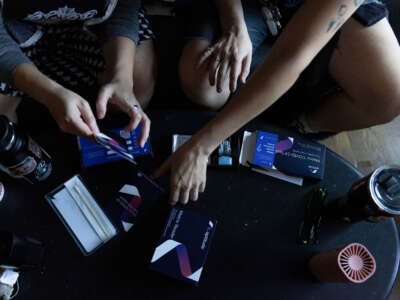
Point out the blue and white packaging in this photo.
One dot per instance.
(182, 250)
(282, 157)
(265, 150)
(290, 155)
(95, 154)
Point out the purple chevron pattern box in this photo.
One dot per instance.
(182, 250)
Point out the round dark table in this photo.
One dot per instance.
(253, 254)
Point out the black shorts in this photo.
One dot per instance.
(201, 20)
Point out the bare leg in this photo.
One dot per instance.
(145, 72)
(195, 82)
(367, 66)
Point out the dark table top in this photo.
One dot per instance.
(253, 255)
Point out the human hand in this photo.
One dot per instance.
(73, 114)
(188, 167)
(121, 94)
(229, 58)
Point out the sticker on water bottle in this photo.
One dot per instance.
(34, 148)
(25, 167)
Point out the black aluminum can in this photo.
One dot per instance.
(20, 155)
(373, 198)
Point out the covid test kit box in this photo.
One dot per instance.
(182, 250)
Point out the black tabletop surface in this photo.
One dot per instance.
(253, 254)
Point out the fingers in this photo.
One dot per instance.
(124, 98)
(144, 135)
(184, 191)
(234, 73)
(184, 195)
(202, 187)
(88, 117)
(75, 125)
(204, 56)
(246, 63)
(229, 59)
(105, 94)
(181, 190)
(174, 194)
(75, 116)
(194, 193)
(222, 70)
(226, 64)
(213, 67)
(137, 116)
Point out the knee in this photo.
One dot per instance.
(384, 104)
(392, 108)
(144, 84)
(196, 87)
(199, 93)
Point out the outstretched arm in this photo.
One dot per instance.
(307, 33)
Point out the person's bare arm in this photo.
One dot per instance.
(307, 33)
(230, 14)
(117, 84)
(119, 56)
(71, 112)
(230, 56)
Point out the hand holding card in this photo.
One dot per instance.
(112, 146)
